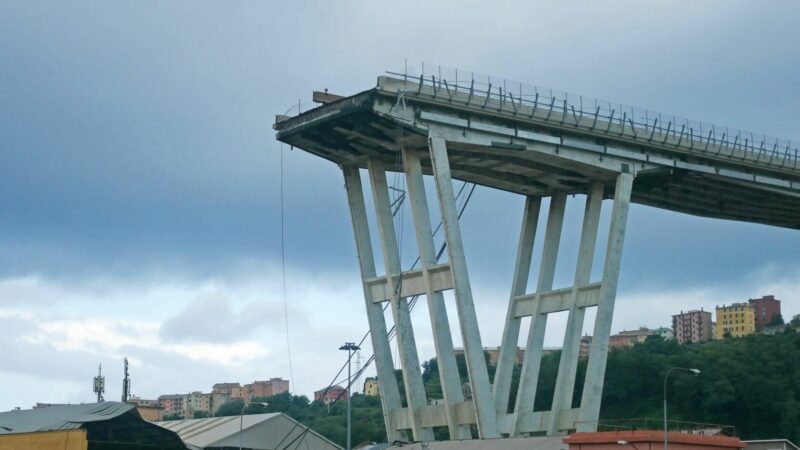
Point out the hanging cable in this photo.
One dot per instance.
(391, 333)
(283, 279)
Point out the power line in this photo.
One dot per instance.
(283, 279)
(391, 333)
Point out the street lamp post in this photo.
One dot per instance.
(241, 419)
(350, 347)
(684, 369)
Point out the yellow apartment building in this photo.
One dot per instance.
(737, 319)
(371, 387)
(197, 401)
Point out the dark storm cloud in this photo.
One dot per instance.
(137, 162)
(126, 141)
(135, 137)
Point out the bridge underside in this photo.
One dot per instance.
(414, 129)
(359, 128)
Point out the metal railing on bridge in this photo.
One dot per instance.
(597, 116)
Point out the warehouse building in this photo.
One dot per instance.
(258, 432)
(92, 426)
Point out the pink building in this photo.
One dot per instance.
(266, 388)
(331, 394)
(626, 339)
(173, 404)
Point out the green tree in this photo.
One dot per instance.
(231, 408)
(749, 382)
(776, 320)
(296, 406)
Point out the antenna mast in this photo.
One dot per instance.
(126, 385)
(99, 384)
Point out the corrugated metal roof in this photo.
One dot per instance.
(258, 431)
(529, 443)
(786, 442)
(205, 432)
(60, 417)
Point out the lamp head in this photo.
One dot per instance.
(622, 442)
(695, 371)
(350, 346)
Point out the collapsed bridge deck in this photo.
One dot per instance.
(546, 146)
(537, 146)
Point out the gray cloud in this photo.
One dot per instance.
(24, 357)
(155, 371)
(136, 145)
(55, 351)
(214, 319)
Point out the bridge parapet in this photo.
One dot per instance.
(601, 118)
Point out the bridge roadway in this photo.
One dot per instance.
(539, 149)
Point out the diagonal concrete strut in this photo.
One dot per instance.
(468, 320)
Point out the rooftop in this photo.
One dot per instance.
(260, 431)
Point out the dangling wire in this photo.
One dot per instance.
(283, 276)
(461, 198)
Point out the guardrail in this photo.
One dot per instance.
(594, 115)
(674, 426)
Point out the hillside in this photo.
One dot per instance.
(752, 383)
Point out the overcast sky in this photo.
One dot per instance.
(140, 177)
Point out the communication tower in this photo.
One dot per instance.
(99, 384)
(126, 384)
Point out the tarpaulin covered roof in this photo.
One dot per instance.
(106, 426)
(61, 417)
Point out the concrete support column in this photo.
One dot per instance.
(468, 320)
(519, 285)
(568, 364)
(595, 370)
(387, 383)
(442, 338)
(409, 360)
(529, 378)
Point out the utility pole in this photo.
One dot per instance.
(350, 347)
(358, 367)
(684, 369)
(126, 384)
(99, 384)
